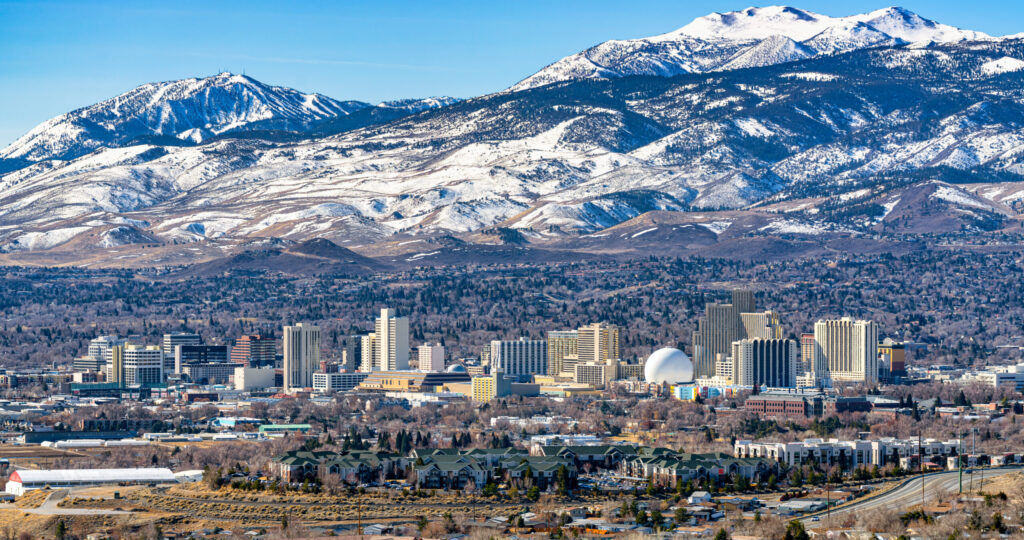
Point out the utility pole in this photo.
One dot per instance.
(828, 504)
(974, 452)
(920, 467)
(960, 461)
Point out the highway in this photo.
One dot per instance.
(908, 494)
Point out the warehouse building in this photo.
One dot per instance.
(21, 482)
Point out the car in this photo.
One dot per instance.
(815, 518)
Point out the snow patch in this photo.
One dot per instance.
(1005, 64)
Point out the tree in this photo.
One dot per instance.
(562, 480)
(795, 531)
(656, 518)
(62, 529)
(284, 522)
(421, 523)
(681, 515)
(721, 535)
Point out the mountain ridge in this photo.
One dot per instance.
(708, 43)
(792, 142)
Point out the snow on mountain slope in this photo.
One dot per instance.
(571, 158)
(1002, 65)
(756, 23)
(190, 109)
(771, 50)
(747, 38)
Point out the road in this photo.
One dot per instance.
(50, 508)
(908, 494)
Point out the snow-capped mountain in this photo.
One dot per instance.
(891, 136)
(747, 38)
(188, 109)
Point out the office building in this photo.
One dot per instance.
(393, 341)
(561, 343)
(764, 362)
(132, 365)
(369, 354)
(247, 379)
(337, 382)
(209, 373)
(173, 339)
(431, 357)
(492, 386)
(199, 354)
(99, 348)
(597, 343)
(761, 325)
(301, 355)
(521, 358)
(847, 349)
(87, 363)
(254, 350)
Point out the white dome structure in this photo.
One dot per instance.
(668, 365)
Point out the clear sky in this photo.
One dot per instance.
(56, 56)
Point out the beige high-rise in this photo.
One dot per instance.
(301, 355)
(393, 335)
(598, 343)
(722, 324)
(847, 350)
(761, 325)
(561, 343)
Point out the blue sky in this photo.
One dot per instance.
(56, 56)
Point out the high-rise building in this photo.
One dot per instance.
(351, 349)
(132, 365)
(597, 343)
(99, 348)
(521, 358)
(301, 355)
(716, 330)
(393, 335)
(847, 349)
(807, 349)
(369, 357)
(431, 357)
(115, 365)
(173, 339)
(561, 343)
(254, 350)
(761, 325)
(743, 301)
(765, 362)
